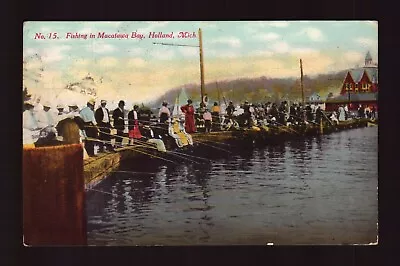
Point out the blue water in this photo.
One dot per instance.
(320, 190)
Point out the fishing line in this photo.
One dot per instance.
(299, 118)
(218, 148)
(103, 192)
(139, 151)
(201, 158)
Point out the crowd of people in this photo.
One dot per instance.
(40, 121)
(40, 124)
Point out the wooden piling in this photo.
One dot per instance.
(53, 196)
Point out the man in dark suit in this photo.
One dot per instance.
(119, 123)
(102, 116)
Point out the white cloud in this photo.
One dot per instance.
(55, 53)
(353, 57)
(163, 54)
(278, 24)
(280, 47)
(108, 62)
(135, 51)
(189, 51)
(313, 33)
(268, 36)
(29, 51)
(81, 62)
(367, 42)
(304, 50)
(136, 62)
(231, 41)
(264, 53)
(100, 47)
(219, 53)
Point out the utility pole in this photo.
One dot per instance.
(201, 60)
(201, 67)
(219, 96)
(301, 81)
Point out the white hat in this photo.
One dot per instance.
(73, 104)
(103, 101)
(59, 106)
(46, 104)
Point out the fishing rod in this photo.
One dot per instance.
(327, 118)
(176, 154)
(299, 117)
(196, 157)
(131, 147)
(117, 136)
(295, 131)
(179, 156)
(103, 192)
(221, 143)
(218, 148)
(133, 172)
(152, 147)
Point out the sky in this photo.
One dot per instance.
(137, 70)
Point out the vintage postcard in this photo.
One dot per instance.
(139, 133)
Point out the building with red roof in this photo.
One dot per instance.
(360, 87)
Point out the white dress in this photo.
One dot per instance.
(342, 116)
(30, 130)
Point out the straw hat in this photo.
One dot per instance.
(60, 106)
(92, 101)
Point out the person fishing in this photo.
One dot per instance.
(282, 114)
(30, 126)
(133, 124)
(46, 117)
(176, 132)
(318, 115)
(309, 114)
(346, 112)
(274, 111)
(188, 110)
(71, 129)
(300, 113)
(360, 112)
(247, 114)
(119, 123)
(342, 115)
(144, 115)
(373, 112)
(102, 116)
(207, 120)
(215, 111)
(164, 113)
(230, 109)
(333, 118)
(90, 126)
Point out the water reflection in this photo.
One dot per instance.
(302, 190)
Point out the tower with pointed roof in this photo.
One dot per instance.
(368, 59)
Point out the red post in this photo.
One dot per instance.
(54, 196)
